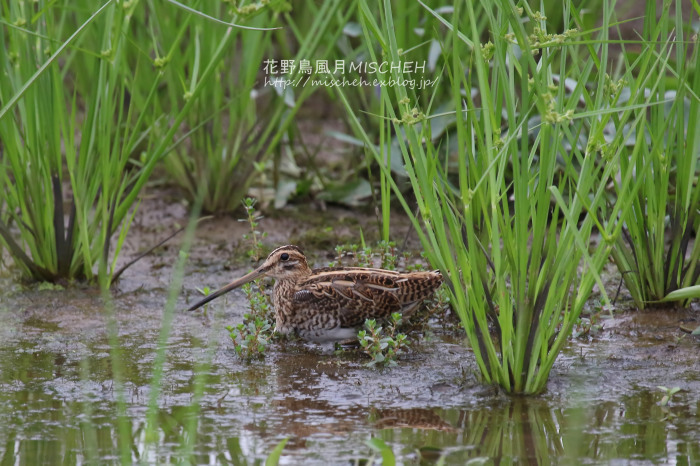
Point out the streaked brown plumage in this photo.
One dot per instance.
(329, 304)
(415, 418)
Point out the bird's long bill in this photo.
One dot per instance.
(231, 286)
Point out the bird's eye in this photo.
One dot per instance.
(284, 256)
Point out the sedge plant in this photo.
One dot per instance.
(242, 116)
(509, 222)
(658, 194)
(46, 148)
(224, 129)
(81, 135)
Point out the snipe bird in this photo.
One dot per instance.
(329, 304)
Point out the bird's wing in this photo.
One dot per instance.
(352, 294)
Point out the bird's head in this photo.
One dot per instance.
(284, 263)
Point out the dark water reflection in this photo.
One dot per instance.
(59, 404)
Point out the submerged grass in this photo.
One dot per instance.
(152, 419)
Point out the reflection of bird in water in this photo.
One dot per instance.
(329, 304)
(416, 418)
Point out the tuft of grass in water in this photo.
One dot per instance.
(243, 119)
(224, 136)
(382, 344)
(68, 175)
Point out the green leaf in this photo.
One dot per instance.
(689, 292)
(273, 458)
(378, 445)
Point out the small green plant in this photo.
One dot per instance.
(387, 254)
(668, 394)
(382, 344)
(383, 255)
(205, 291)
(346, 255)
(255, 237)
(438, 308)
(251, 337)
(590, 325)
(259, 301)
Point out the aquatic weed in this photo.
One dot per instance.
(590, 325)
(387, 254)
(259, 301)
(382, 344)
(251, 337)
